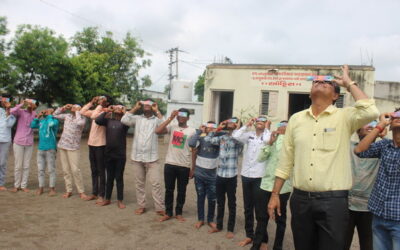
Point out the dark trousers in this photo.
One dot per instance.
(180, 175)
(250, 189)
(115, 171)
(262, 218)
(319, 219)
(205, 187)
(97, 166)
(363, 222)
(226, 186)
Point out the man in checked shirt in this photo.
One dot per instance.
(226, 183)
(384, 202)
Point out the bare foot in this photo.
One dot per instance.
(25, 190)
(2, 188)
(164, 218)
(104, 203)
(161, 212)
(213, 230)
(52, 192)
(245, 242)
(140, 211)
(67, 195)
(91, 197)
(84, 197)
(212, 224)
(39, 191)
(14, 190)
(121, 205)
(199, 224)
(264, 246)
(100, 200)
(229, 235)
(180, 218)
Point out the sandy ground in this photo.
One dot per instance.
(31, 222)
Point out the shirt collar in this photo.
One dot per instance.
(151, 117)
(329, 110)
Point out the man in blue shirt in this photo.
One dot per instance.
(384, 202)
(46, 156)
(6, 122)
(205, 162)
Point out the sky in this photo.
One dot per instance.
(332, 32)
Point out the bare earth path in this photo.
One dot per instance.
(31, 222)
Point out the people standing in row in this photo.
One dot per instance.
(47, 149)
(177, 162)
(204, 162)
(114, 152)
(96, 143)
(316, 155)
(23, 143)
(69, 145)
(270, 155)
(252, 169)
(144, 154)
(384, 202)
(226, 181)
(7, 121)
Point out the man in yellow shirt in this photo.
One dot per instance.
(315, 155)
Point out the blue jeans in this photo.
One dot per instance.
(205, 182)
(386, 234)
(4, 147)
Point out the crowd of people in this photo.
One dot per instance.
(334, 185)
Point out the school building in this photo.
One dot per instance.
(278, 91)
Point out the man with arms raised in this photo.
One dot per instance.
(315, 155)
(145, 152)
(177, 162)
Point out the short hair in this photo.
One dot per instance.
(397, 109)
(211, 122)
(284, 121)
(110, 100)
(184, 110)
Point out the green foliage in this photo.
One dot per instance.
(199, 87)
(118, 71)
(40, 64)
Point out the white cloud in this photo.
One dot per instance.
(256, 31)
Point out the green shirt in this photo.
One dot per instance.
(270, 154)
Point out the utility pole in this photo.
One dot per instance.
(172, 76)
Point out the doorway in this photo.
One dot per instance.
(298, 102)
(222, 107)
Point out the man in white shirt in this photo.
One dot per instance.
(145, 152)
(252, 169)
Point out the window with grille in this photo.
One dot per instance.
(340, 101)
(264, 103)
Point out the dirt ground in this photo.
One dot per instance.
(31, 222)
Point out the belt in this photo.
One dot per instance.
(324, 194)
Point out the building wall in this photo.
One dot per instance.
(248, 81)
(387, 90)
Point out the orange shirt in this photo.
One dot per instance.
(97, 135)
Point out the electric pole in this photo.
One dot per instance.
(172, 76)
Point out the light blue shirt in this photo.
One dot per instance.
(6, 123)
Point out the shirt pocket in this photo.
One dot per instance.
(329, 140)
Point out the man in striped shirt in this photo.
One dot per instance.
(145, 152)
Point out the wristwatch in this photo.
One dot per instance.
(351, 84)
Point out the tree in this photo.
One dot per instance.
(7, 75)
(122, 62)
(199, 87)
(42, 66)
